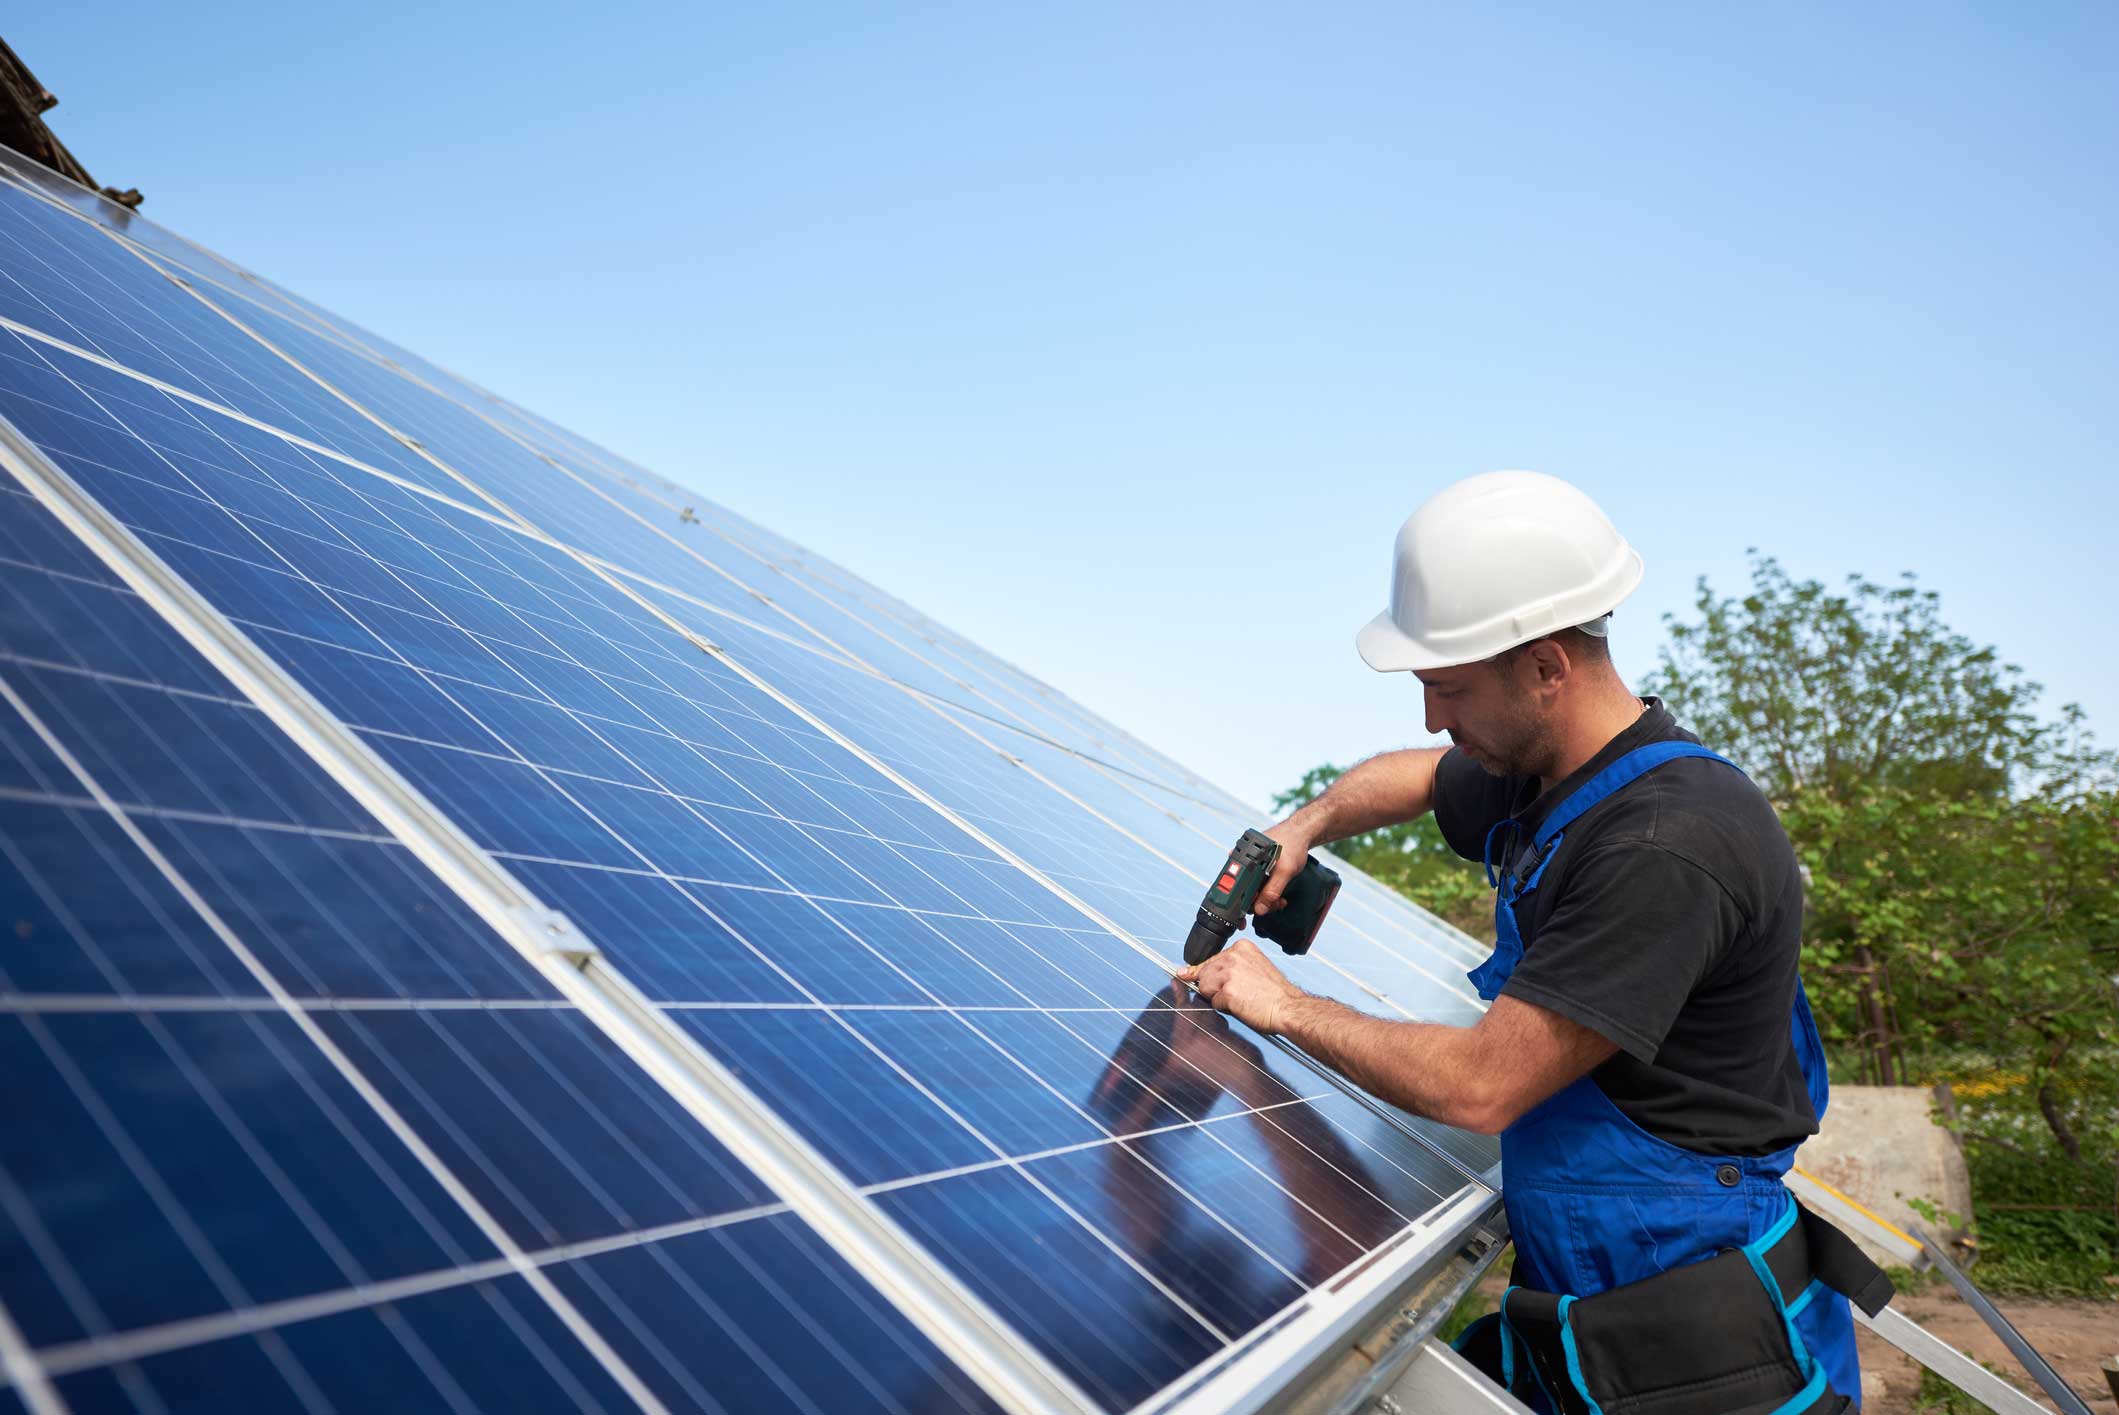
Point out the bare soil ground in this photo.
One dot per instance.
(2074, 1336)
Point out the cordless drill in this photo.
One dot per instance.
(1230, 897)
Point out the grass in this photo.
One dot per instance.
(1911, 1282)
(2068, 1250)
(1937, 1396)
(1472, 1306)
(2055, 1255)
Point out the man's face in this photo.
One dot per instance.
(1491, 714)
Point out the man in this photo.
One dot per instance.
(1648, 1058)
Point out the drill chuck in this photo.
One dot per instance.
(1210, 934)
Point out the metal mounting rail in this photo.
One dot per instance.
(1440, 1382)
(1948, 1362)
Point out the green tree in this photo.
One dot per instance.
(1962, 849)
(1813, 689)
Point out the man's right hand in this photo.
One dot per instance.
(1296, 841)
(1384, 790)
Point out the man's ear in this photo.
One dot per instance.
(1551, 661)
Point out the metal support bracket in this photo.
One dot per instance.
(558, 935)
(2056, 1390)
(1440, 1382)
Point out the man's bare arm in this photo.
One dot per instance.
(1480, 1077)
(1387, 789)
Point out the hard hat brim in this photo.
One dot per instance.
(1387, 648)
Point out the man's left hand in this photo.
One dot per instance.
(1241, 982)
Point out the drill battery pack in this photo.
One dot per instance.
(1307, 900)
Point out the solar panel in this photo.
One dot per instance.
(756, 995)
(286, 1121)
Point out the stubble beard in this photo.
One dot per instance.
(1521, 744)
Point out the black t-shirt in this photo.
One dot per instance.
(1669, 922)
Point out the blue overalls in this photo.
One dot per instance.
(1594, 1201)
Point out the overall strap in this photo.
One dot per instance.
(1493, 974)
(1635, 764)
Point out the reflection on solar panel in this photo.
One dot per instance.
(492, 930)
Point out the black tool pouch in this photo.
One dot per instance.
(1714, 1337)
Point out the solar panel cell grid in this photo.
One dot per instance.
(182, 337)
(83, 922)
(489, 1345)
(1121, 1336)
(240, 1168)
(170, 1118)
(649, 495)
(761, 1316)
(769, 840)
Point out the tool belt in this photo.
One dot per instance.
(1715, 1337)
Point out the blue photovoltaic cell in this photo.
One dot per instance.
(978, 962)
(97, 297)
(994, 686)
(1295, 1236)
(228, 1161)
(958, 1058)
(874, 1123)
(676, 948)
(1474, 1156)
(1132, 1182)
(536, 1112)
(85, 919)
(182, 1156)
(1196, 1252)
(822, 959)
(343, 918)
(722, 1321)
(490, 1345)
(1118, 1334)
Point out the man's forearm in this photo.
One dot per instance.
(1424, 1067)
(1387, 789)
(1480, 1077)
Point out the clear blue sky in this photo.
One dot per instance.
(1122, 337)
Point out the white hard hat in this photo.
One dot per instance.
(1494, 561)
